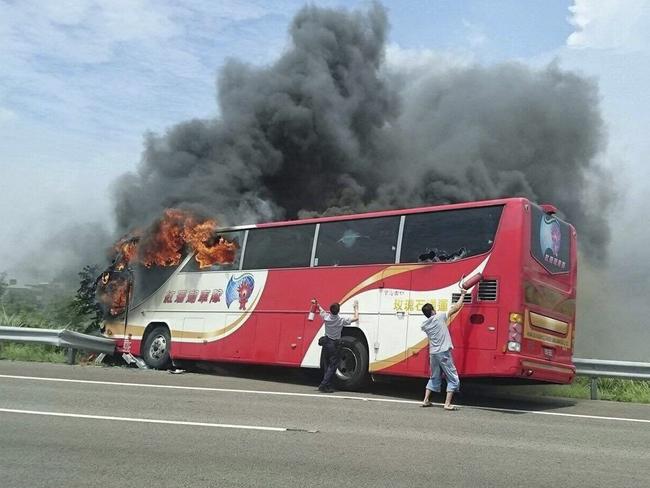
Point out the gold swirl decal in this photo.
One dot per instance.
(384, 273)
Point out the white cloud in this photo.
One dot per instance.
(424, 62)
(610, 24)
(82, 80)
(475, 34)
(119, 65)
(6, 115)
(80, 31)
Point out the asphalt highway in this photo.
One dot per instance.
(90, 426)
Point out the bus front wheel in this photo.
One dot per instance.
(156, 346)
(352, 373)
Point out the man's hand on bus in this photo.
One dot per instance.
(355, 307)
(459, 304)
(322, 312)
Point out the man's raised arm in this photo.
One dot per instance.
(459, 304)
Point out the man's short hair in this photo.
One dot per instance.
(427, 310)
(335, 308)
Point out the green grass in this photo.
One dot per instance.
(27, 352)
(31, 352)
(24, 319)
(619, 390)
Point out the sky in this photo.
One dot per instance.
(82, 81)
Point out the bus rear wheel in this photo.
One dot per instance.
(156, 347)
(352, 373)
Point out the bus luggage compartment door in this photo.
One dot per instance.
(291, 327)
(191, 344)
(479, 326)
(389, 353)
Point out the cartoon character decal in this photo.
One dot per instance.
(550, 236)
(550, 241)
(240, 289)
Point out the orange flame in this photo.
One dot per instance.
(164, 242)
(112, 293)
(178, 229)
(163, 245)
(125, 250)
(199, 238)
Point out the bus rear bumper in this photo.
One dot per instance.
(538, 369)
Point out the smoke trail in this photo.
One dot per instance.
(329, 127)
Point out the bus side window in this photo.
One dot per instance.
(279, 247)
(363, 241)
(449, 235)
(236, 237)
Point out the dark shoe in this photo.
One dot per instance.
(325, 389)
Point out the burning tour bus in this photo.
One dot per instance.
(193, 291)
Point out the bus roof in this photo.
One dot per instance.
(381, 213)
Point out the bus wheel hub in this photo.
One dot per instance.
(158, 347)
(348, 365)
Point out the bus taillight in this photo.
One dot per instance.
(514, 332)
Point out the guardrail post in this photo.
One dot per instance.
(71, 355)
(593, 382)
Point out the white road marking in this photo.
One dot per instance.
(320, 396)
(151, 421)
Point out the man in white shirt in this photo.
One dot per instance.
(440, 346)
(334, 324)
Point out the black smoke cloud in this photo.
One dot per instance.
(331, 127)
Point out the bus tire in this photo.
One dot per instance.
(352, 373)
(156, 347)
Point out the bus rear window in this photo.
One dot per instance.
(550, 241)
(450, 234)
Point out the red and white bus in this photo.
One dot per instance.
(518, 322)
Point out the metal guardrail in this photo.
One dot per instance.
(594, 368)
(603, 368)
(612, 369)
(58, 337)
